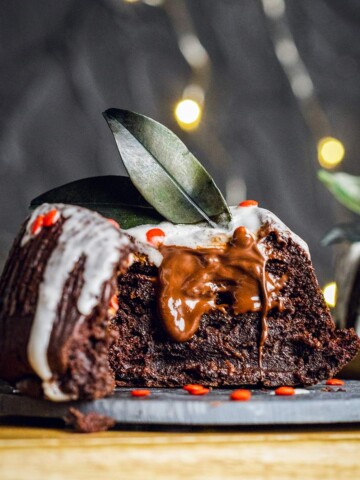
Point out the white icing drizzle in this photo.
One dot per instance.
(53, 392)
(301, 391)
(83, 233)
(202, 235)
(297, 391)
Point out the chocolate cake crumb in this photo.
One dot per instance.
(88, 422)
(330, 389)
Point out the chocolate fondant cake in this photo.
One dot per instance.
(56, 297)
(224, 307)
(196, 304)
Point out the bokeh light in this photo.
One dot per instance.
(188, 114)
(330, 152)
(330, 291)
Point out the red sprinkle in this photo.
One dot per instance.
(51, 218)
(285, 391)
(114, 303)
(140, 393)
(113, 222)
(249, 203)
(192, 387)
(199, 391)
(155, 236)
(240, 395)
(241, 230)
(335, 381)
(37, 224)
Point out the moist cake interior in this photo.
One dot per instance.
(302, 345)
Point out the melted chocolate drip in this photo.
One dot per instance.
(193, 281)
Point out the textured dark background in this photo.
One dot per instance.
(64, 62)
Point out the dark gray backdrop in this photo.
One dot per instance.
(64, 62)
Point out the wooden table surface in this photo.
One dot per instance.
(37, 453)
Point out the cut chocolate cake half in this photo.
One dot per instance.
(56, 297)
(224, 307)
(85, 305)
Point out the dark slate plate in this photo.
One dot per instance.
(177, 407)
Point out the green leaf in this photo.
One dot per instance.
(111, 196)
(164, 171)
(346, 232)
(344, 187)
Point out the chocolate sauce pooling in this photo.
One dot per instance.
(192, 281)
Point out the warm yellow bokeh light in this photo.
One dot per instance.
(329, 292)
(330, 152)
(188, 114)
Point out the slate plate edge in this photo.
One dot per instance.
(278, 411)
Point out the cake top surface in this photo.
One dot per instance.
(202, 235)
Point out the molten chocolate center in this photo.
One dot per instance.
(194, 281)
